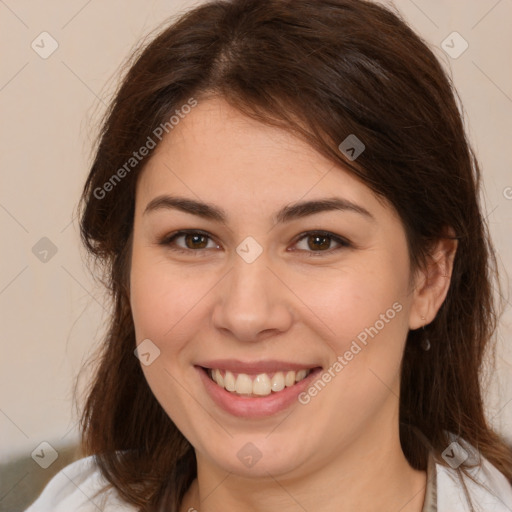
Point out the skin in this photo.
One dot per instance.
(340, 451)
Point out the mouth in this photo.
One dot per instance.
(256, 385)
(255, 393)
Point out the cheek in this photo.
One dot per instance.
(363, 312)
(347, 301)
(365, 309)
(164, 309)
(367, 330)
(164, 299)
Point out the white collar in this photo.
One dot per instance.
(492, 493)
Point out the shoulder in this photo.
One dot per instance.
(490, 490)
(78, 487)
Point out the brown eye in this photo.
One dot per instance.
(320, 241)
(195, 241)
(192, 241)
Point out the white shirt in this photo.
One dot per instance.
(74, 487)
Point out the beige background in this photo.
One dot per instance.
(52, 312)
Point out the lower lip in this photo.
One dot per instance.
(258, 407)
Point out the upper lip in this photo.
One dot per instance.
(265, 366)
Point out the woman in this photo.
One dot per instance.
(286, 209)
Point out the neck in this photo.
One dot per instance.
(368, 476)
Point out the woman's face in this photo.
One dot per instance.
(289, 266)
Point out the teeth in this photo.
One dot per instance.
(261, 385)
(229, 381)
(289, 380)
(243, 385)
(218, 377)
(300, 375)
(277, 382)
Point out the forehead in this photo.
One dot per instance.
(215, 153)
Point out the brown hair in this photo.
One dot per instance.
(323, 69)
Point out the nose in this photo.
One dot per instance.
(252, 303)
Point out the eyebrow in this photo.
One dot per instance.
(286, 214)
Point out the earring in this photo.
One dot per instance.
(425, 342)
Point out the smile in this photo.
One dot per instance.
(262, 384)
(255, 389)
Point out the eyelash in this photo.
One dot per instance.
(169, 241)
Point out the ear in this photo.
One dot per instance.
(432, 283)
